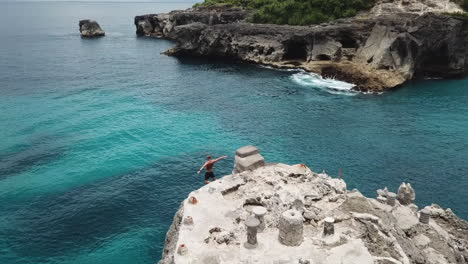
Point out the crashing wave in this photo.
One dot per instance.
(328, 84)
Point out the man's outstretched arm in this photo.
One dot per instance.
(202, 167)
(220, 158)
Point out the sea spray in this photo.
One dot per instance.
(330, 85)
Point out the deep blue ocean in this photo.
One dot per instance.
(101, 139)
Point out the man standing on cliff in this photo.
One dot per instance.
(209, 174)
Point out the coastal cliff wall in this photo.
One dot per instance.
(335, 225)
(375, 53)
(416, 6)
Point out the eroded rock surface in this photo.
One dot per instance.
(364, 229)
(375, 52)
(406, 194)
(416, 6)
(90, 29)
(161, 25)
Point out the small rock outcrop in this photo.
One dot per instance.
(406, 194)
(376, 52)
(90, 29)
(307, 218)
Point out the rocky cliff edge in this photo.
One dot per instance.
(276, 213)
(375, 51)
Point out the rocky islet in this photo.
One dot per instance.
(90, 29)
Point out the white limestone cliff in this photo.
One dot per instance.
(335, 225)
(415, 6)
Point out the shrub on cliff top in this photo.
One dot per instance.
(460, 15)
(297, 12)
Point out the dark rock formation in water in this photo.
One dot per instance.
(90, 29)
(375, 53)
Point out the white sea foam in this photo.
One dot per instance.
(278, 69)
(330, 85)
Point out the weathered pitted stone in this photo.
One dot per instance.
(382, 195)
(163, 24)
(421, 241)
(225, 237)
(309, 215)
(298, 205)
(391, 199)
(424, 216)
(326, 50)
(366, 231)
(415, 6)
(259, 212)
(252, 225)
(211, 189)
(291, 229)
(406, 194)
(328, 226)
(248, 158)
(90, 29)
(188, 220)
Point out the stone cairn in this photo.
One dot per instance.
(248, 158)
(252, 224)
(424, 216)
(259, 212)
(391, 199)
(328, 226)
(291, 229)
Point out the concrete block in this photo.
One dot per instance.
(252, 225)
(424, 216)
(247, 151)
(259, 212)
(291, 228)
(249, 163)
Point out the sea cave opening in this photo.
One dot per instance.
(323, 57)
(436, 62)
(348, 42)
(295, 50)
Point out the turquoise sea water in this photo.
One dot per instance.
(101, 138)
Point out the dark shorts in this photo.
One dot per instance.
(209, 175)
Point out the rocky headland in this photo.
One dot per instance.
(90, 29)
(377, 50)
(275, 213)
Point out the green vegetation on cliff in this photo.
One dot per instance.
(297, 12)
